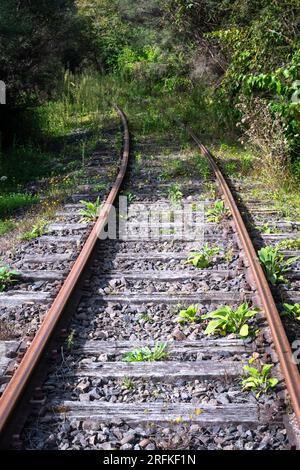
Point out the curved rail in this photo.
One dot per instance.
(21, 377)
(288, 367)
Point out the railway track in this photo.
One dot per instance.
(126, 293)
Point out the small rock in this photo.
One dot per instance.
(109, 310)
(194, 428)
(127, 438)
(126, 447)
(84, 397)
(150, 446)
(178, 335)
(75, 424)
(113, 283)
(105, 446)
(50, 439)
(83, 386)
(91, 425)
(102, 358)
(101, 437)
(264, 442)
(93, 440)
(248, 446)
(144, 443)
(223, 399)
(65, 427)
(64, 446)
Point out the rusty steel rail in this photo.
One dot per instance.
(288, 368)
(15, 388)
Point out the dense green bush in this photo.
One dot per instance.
(256, 43)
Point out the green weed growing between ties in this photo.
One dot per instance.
(217, 213)
(8, 277)
(291, 311)
(226, 320)
(274, 264)
(175, 194)
(38, 230)
(203, 258)
(259, 378)
(146, 354)
(91, 210)
(189, 315)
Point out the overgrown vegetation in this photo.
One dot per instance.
(37, 230)
(206, 64)
(289, 244)
(274, 264)
(225, 320)
(217, 213)
(90, 211)
(204, 257)
(291, 311)
(8, 277)
(13, 201)
(189, 315)
(6, 226)
(254, 56)
(259, 379)
(174, 194)
(146, 354)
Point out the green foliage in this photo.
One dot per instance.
(130, 197)
(266, 228)
(225, 320)
(289, 244)
(189, 315)
(291, 311)
(230, 168)
(7, 277)
(70, 339)
(255, 70)
(217, 213)
(23, 163)
(203, 167)
(107, 32)
(274, 264)
(132, 62)
(78, 105)
(128, 383)
(91, 211)
(145, 354)
(228, 257)
(9, 203)
(256, 46)
(146, 317)
(203, 258)
(259, 379)
(99, 187)
(35, 44)
(175, 84)
(174, 194)
(173, 169)
(6, 226)
(38, 230)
